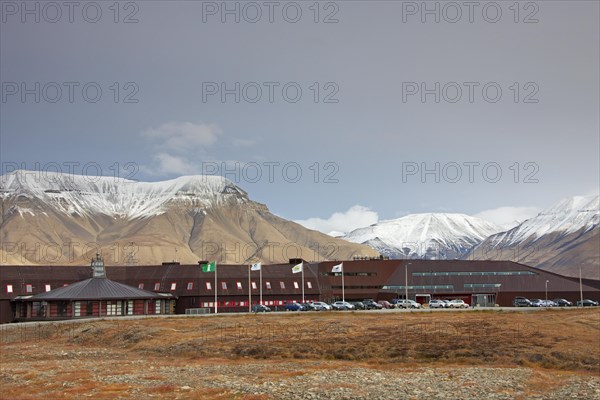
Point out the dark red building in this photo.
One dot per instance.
(483, 283)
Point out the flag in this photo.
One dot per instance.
(256, 267)
(210, 267)
(337, 268)
(297, 268)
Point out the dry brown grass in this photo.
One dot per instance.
(93, 359)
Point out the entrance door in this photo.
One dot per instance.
(483, 300)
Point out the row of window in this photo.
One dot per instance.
(473, 273)
(447, 287)
(173, 286)
(28, 288)
(245, 303)
(238, 285)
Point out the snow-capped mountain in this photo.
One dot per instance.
(431, 236)
(116, 197)
(64, 219)
(561, 238)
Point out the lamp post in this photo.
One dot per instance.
(406, 284)
(546, 304)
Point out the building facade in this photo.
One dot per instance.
(479, 283)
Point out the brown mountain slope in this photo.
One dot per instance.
(186, 220)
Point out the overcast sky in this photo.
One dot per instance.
(339, 113)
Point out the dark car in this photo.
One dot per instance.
(260, 308)
(358, 305)
(562, 303)
(308, 307)
(293, 307)
(385, 304)
(521, 302)
(587, 303)
(371, 305)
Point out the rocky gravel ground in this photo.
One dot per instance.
(192, 359)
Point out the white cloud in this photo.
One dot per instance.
(508, 217)
(356, 217)
(175, 144)
(183, 137)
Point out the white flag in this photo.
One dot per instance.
(297, 268)
(255, 267)
(338, 268)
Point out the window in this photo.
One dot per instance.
(309, 284)
(239, 285)
(9, 289)
(482, 285)
(28, 288)
(208, 286)
(254, 285)
(90, 308)
(48, 288)
(224, 285)
(474, 273)
(141, 286)
(113, 308)
(157, 308)
(282, 285)
(77, 309)
(157, 286)
(268, 285)
(190, 285)
(402, 287)
(173, 286)
(296, 285)
(130, 307)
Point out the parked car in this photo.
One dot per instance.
(446, 303)
(537, 303)
(321, 306)
(548, 303)
(342, 305)
(521, 302)
(307, 307)
(458, 303)
(371, 305)
(293, 307)
(562, 303)
(437, 304)
(407, 304)
(386, 304)
(587, 303)
(260, 308)
(358, 305)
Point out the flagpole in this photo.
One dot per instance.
(249, 291)
(216, 288)
(302, 282)
(343, 295)
(260, 278)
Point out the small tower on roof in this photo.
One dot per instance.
(98, 270)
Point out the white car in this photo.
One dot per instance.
(456, 303)
(437, 304)
(342, 305)
(407, 304)
(319, 305)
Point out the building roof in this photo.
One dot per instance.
(95, 289)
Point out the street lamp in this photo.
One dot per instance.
(547, 292)
(406, 284)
